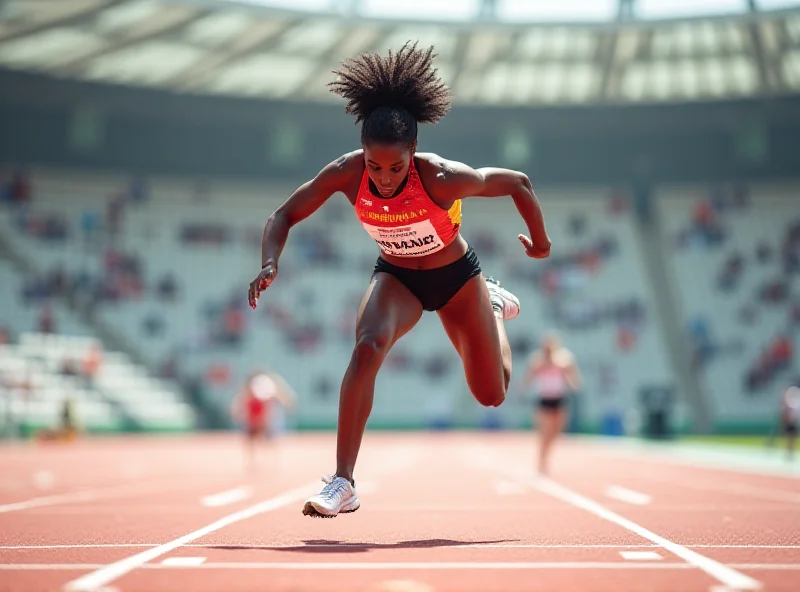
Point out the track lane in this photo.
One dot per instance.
(428, 519)
(428, 512)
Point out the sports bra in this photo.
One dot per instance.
(409, 224)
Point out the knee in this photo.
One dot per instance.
(370, 349)
(491, 397)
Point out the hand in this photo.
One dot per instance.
(532, 250)
(261, 283)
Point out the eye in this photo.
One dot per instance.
(397, 169)
(374, 168)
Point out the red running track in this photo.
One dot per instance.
(459, 512)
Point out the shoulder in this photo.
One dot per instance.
(446, 180)
(342, 174)
(436, 168)
(348, 164)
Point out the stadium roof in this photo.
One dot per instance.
(491, 52)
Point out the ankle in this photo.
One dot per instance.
(346, 475)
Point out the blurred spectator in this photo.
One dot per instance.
(138, 191)
(791, 249)
(90, 225)
(763, 252)
(167, 287)
(626, 338)
(702, 342)
(92, 362)
(577, 225)
(47, 321)
(704, 230)
(731, 272)
(19, 188)
(774, 291)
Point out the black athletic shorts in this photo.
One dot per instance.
(552, 403)
(791, 429)
(434, 287)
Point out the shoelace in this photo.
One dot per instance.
(333, 487)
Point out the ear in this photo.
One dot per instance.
(413, 148)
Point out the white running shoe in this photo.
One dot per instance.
(337, 497)
(503, 301)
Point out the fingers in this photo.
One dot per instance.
(251, 295)
(261, 283)
(531, 249)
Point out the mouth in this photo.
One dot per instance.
(387, 192)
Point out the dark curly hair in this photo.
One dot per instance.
(392, 94)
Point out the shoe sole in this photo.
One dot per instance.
(310, 510)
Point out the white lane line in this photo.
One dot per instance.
(498, 565)
(726, 575)
(87, 495)
(640, 555)
(776, 495)
(111, 572)
(723, 573)
(44, 479)
(338, 545)
(628, 495)
(51, 500)
(503, 487)
(76, 546)
(401, 565)
(225, 498)
(183, 561)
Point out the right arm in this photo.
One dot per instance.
(304, 201)
(533, 365)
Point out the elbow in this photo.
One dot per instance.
(279, 219)
(520, 185)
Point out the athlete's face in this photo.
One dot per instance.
(387, 165)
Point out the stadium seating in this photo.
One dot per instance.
(594, 290)
(728, 252)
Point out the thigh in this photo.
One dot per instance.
(544, 419)
(469, 322)
(387, 312)
(561, 415)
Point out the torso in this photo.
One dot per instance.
(550, 377)
(792, 406)
(256, 408)
(415, 228)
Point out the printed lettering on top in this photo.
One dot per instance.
(413, 240)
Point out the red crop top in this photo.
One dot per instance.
(409, 224)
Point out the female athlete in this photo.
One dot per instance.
(790, 417)
(253, 407)
(553, 373)
(410, 204)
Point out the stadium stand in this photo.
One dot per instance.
(734, 254)
(169, 270)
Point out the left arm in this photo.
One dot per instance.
(573, 375)
(284, 393)
(460, 181)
